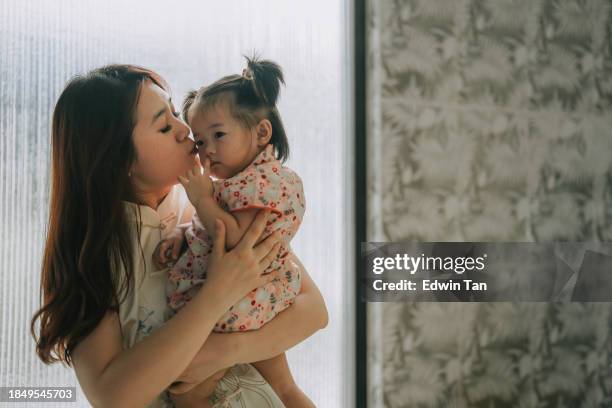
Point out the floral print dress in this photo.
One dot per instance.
(264, 184)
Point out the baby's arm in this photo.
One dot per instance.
(237, 222)
(200, 191)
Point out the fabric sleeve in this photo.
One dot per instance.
(259, 187)
(267, 186)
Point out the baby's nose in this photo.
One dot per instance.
(209, 148)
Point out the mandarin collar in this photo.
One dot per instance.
(265, 156)
(164, 214)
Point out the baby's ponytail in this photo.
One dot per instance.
(266, 77)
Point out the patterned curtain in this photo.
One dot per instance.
(489, 120)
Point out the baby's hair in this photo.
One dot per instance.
(251, 97)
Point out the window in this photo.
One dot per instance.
(43, 44)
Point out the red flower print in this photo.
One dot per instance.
(236, 193)
(226, 184)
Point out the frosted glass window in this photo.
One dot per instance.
(43, 44)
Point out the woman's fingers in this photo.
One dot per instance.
(268, 247)
(270, 256)
(254, 231)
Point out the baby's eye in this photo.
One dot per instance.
(219, 135)
(166, 129)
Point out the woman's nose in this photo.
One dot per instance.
(182, 131)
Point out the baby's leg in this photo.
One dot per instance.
(276, 372)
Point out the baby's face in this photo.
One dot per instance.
(225, 142)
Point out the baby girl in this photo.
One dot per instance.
(242, 144)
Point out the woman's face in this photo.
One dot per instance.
(164, 148)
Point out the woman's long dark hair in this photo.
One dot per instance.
(89, 239)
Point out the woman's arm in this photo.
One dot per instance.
(111, 376)
(296, 323)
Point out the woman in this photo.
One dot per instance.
(118, 148)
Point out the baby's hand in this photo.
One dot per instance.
(198, 185)
(168, 250)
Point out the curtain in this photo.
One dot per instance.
(489, 121)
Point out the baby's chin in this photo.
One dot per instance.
(221, 172)
(219, 175)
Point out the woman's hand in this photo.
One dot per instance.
(169, 249)
(198, 184)
(233, 274)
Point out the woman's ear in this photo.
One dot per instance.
(264, 132)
